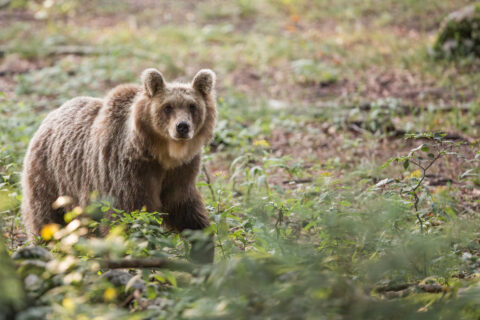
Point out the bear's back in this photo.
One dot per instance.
(80, 140)
(77, 111)
(65, 133)
(83, 111)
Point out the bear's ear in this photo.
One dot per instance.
(204, 81)
(153, 81)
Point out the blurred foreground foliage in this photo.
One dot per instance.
(327, 251)
(12, 296)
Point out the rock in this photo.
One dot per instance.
(459, 34)
(27, 267)
(33, 282)
(35, 313)
(161, 303)
(32, 252)
(121, 278)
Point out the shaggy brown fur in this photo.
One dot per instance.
(129, 147)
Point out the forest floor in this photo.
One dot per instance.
(313, 98)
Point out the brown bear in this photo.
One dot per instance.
(140, 146)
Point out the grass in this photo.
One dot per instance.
(313, 98)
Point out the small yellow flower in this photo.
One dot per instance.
(49, 230)
(77, 210)
(325, 174)
(68, 304)
(261, 143)
(109, 294)
(218, 173)
(440, 189)
(415, 174)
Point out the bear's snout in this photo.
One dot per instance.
(183, 129)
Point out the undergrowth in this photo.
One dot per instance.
(331, 194)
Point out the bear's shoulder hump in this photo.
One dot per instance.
(122, 96)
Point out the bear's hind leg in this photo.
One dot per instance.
(38, 196)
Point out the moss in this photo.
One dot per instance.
(459, 35)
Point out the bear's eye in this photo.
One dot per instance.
(192, 107)
(167, 109)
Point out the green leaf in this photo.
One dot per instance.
(151, 292)
(171, 278)
(450, 212)
(406, 164)
(386, 164)
(425, 148)
(345, 203)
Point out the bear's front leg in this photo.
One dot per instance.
(190, 214)
(183, 203)
(185, 211)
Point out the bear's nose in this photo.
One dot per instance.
(183, 128)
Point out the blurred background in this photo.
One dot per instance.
(283, 54)
(365, 66)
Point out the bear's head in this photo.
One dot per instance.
(177, 110)
(178, 118)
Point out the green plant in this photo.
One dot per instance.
(423, 158)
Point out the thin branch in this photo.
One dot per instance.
(127, 300)
(208, 180)
(147, 263)
(417, 164)
(413, 191)
(279, 221)
(425, 171)
(306, 180)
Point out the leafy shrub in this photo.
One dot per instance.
(460, 34)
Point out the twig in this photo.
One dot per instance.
(279, 221)
(356, 127)
(439, 181)
(84, 51)
(12, 235)
(413, 191)
(218, 213)
(306, 180)
(408, 109)
(147, 263)
(73, 50)
(127, 300)
(65, 50)
(7, 72)
(209, 182)
(394, 287)
(432, 288)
